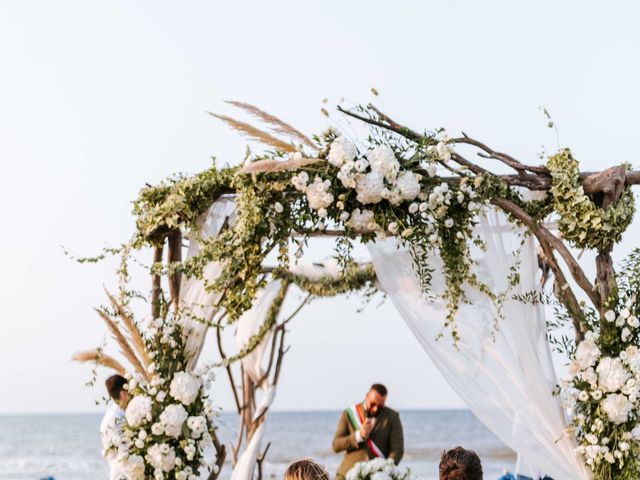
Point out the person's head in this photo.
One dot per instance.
(460, 464)
(115, 386)
(305, 469)
(374, 401)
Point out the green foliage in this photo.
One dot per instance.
(582, 222)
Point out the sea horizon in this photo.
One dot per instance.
(231, 411)
(67, 446)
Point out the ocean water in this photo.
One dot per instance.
(67, 447)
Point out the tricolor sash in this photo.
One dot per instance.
(356, 417)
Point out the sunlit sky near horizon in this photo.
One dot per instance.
(99, 98)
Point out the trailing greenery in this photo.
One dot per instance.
(352, 278)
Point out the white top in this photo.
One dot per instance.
(110, 433)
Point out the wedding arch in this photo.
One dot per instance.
(457, 246)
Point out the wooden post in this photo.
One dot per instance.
(156, 286)
(174, 254)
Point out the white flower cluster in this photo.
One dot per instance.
(318, 195)
(138, 410)
(376, 177)
(172, 419)
(185, 387)
(378, 469)
(168, 419)
(602, 393)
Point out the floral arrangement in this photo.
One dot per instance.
(602, 392)
(378, 469)
(168, 420)
(418, 188)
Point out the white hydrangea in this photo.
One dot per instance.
(132, 467)
(197, 425)
(443, 151)
(381, 476)
(172, 419)
(369, 187)
(362, 220)
(341, 151)
(409, 185)
(185, 387)
(633, 358)
(612, 375)
(300, 181)
(137, 410)
(161, 457)
(383, 160)
(617, 407)
(587, 353)
(318, 195)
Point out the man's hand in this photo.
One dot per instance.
(366, 428)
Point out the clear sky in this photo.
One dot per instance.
(98, 98)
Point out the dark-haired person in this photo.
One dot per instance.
(305, 469)
(111, 426)
(368, 430)
(460, 464)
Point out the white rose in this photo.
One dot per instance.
(278, 207)
(393, 228)
(161, 457)
(157, 429)
(197, 425)
(448, 223)
(610, 316)
(318, 195)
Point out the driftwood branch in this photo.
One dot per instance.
(540, 231)
(260, 459)
(229, 371)
(221, 455)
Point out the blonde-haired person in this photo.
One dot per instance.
(305, 469)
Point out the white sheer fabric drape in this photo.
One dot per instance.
(195, 301)
(506, 378)
(248, 325)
